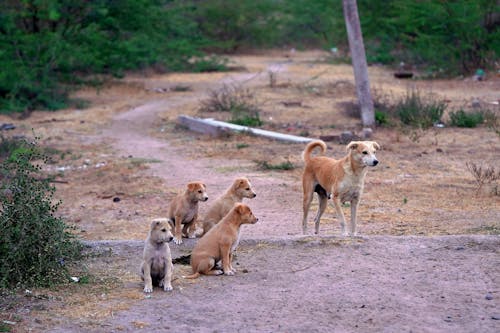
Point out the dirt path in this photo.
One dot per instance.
(287, 282)
(290, 283)
(373, 284)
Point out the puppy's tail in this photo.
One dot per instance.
(306, 154)
(192, 276)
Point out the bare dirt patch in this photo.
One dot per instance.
(124, 158)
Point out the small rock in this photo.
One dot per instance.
(367, 133)
(496, 317)
(346, 137)
(116, 199)
(489, 296)
(6, 127)
(476, 103)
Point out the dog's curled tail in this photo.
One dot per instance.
(192, 276)
(306, 154)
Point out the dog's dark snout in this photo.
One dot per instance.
(375, 162)
(170, 238)
(254, 195)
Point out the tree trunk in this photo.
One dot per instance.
(358, 56)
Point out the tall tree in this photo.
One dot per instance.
(358, 57)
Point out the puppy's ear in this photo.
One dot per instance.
(191, 187)
(376, 145)
(240, 208)
(155, 223)
(352, 145)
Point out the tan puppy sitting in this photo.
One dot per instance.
(341, 179)
(183, 210)
(157, 268)
(241, 188)
(219, 242)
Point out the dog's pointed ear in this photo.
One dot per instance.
(191, 187)
(241, 208)
(352, 145)
(376, 145)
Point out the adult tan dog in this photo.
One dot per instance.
(342, 180)
(241, 188)
(219, 243)
(156, 267)
(183, 210)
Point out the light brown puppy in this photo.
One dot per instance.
(241, 188)
(342, 180)
(183, 210)
(156, 267)
(219, 242)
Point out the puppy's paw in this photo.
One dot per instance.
(218, 272)
(148, 289)
(177, 240)
(193, 235)
(168, 287)
(229, 272)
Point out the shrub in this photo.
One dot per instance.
(36, 247)
(264, 165)
(461, 118)
(483, 175)
(238, 101)
(419, 110)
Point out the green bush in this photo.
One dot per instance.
(461, 118)
(238, 101)
(36, 246)
(418, 110)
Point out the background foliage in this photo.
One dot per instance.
(48, 46)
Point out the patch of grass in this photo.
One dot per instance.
(180, 88)
(419, 110)
(486, 229)
(381, 118)
(136, 161)
(461, 118)
(264, 165)
(242, 145)
(238, 101)
(8, 145)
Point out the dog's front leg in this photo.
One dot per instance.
(146, 275)
(167, 273)
(191, 229)
(354, 210)
(340, 213)
(226, 259)
(178, 230)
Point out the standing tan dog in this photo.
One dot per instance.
(241, 188)
(341, 179)
(183, 210)
(157, 268)
(219, 242)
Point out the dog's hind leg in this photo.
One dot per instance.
(323, 202)
(308, 187)
(206, 267)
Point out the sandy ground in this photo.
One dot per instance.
(424, 262)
